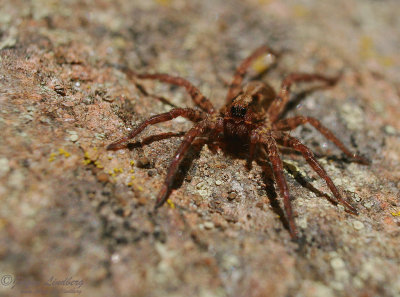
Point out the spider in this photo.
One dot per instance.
(251, 118)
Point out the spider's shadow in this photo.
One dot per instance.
(191, 155)
(269, 181)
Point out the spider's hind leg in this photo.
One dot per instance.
(294, 143)
(292, 123)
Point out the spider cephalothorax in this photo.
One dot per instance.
(251, 116)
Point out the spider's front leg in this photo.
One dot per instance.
(188, 113)
(190, 136)
(277, 106)
(254, 140)
(235, 86)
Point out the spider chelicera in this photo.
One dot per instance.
(251, 117)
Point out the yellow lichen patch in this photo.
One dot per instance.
(293, 168)
(300, 11)
(386, 61)
(264, 2)
(63, 152)
(263, 63)
(163, 2)
(86, 161)
(91, 153)
(132, 162)
(114, 171)
(366, 47)
(118, 170)
(368, 51)
(3, 223)
(52, 157)
(396, 214)
(111, 173)
(134, 184)
(170, 203)
(98, 165)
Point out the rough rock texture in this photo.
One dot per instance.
(75, 218)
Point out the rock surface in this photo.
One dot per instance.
(75, 218)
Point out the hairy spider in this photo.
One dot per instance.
(251, 118)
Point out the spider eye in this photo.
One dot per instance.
(238, 111)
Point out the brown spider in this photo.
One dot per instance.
(251, 117)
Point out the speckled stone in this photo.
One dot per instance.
(72, 209)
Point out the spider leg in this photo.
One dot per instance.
(152, 138)
(178, 157)
(277, 167)
(198, 98)
(254, 140)
(315, 165)
(292, 123)
(250, 158)
(189, 113)
(235, 86)
(278, 105)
